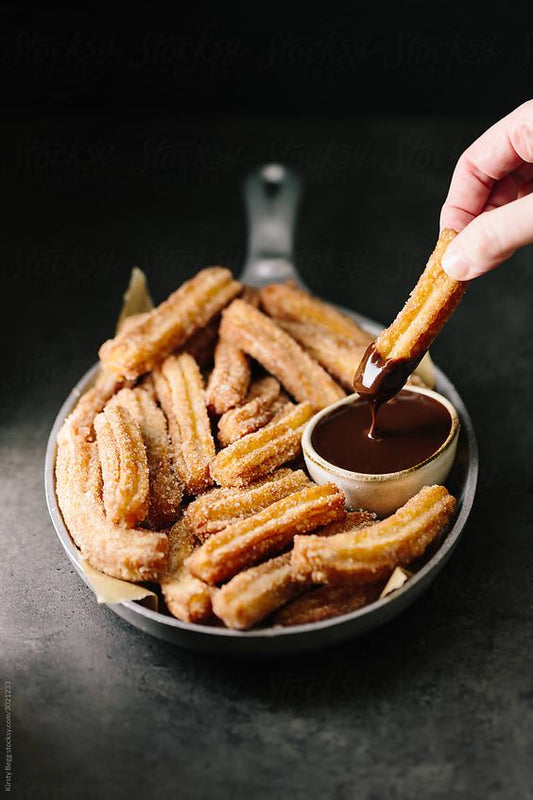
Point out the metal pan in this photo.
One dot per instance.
(271, 200)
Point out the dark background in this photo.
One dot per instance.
(275, 58)
(124, 138)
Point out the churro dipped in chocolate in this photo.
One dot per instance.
(389, 361)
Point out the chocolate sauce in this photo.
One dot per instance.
(379, 379)
(411, 428)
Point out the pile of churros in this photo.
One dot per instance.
(182, 466)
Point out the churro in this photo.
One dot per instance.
(180, 388)
(259, 453)
(81, 419)
(388, 362)
(265, 388)
(170, 324)
(251, 295)
(352, 522)
(280, 354)
(230, 378)
(372, 554)
(252, 595)
(124, 553)
(287, 302)
(124, 465)
(324, 602)
(251, 540)
(186, 597)
(146, 384)
(201, 345)
(165, 490)
(132, 321)
(336, 355)
(218, 508)
(164, 397)
(264, 401)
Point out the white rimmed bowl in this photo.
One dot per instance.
(384, 492)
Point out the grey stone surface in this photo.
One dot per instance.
(438, 703)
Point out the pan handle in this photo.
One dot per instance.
(271, 197)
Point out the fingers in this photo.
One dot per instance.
(503, 192)
(525, 189)
(489, 239)
(506, 147)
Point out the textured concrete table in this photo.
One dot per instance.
(437, 704)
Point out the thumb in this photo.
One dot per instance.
(489, 239)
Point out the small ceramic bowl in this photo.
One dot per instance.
(383, 493)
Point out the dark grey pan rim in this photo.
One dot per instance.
(415, 585)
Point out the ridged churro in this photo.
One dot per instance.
(252, 595)
(124, 553)
(132, 321)
(388, 362)
(92, 402)
(165, 490)
(124, 465)
(352, 522)
(201, 345)
(371, 554)
(280, 354)
(180, 388)
(248, 418)
(259, 453)
(336, 355)
(229, 381)
(164, 397)
(218, 508)
(265, 388)
(187, 597)
(324, 602)
(287, 302)
(168, 326)
(264, 401)
(251, 540)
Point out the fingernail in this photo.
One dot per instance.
(455, 265)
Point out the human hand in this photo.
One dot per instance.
(490, 200)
